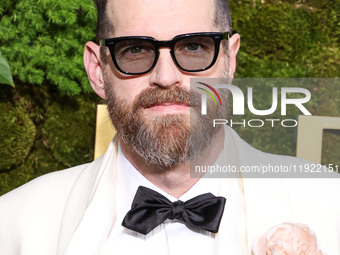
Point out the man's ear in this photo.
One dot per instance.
(93, 68)
(234, 45)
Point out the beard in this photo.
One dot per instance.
(166, 140)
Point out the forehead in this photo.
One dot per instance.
(162, 19)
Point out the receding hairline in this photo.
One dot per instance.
(105, 27)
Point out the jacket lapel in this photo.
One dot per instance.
(88, 216)
(255, 204)
(232, 235)
(252, 205)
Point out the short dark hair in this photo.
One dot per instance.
(222, 17)
(104, 27)
(103, 23)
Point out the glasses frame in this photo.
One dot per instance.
(216, 36)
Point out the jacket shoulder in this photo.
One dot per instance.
(35, 210)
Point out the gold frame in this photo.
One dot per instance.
(104, 131)
(309, 135)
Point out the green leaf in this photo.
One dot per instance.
(5, 72)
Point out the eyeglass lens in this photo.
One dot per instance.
(195, 53)
(138, 55)
(135, 56)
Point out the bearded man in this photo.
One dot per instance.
(139, 197)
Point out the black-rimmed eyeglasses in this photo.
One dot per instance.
(192, 52)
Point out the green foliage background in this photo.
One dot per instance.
(47, 121)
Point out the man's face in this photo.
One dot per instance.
(151, 111)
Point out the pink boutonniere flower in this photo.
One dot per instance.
(287, 239)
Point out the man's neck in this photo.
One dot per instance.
(176, 180)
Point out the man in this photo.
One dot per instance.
(146, 85)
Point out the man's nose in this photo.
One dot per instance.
(165, 74)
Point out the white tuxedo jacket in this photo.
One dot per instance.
(72, 212)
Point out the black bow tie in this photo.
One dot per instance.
(149, 209)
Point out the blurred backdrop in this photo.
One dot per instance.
(47, 119)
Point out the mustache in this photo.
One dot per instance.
(153, 96)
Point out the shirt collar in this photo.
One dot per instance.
(129, 179)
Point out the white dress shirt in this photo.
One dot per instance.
(170, 237)
(75, 211)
